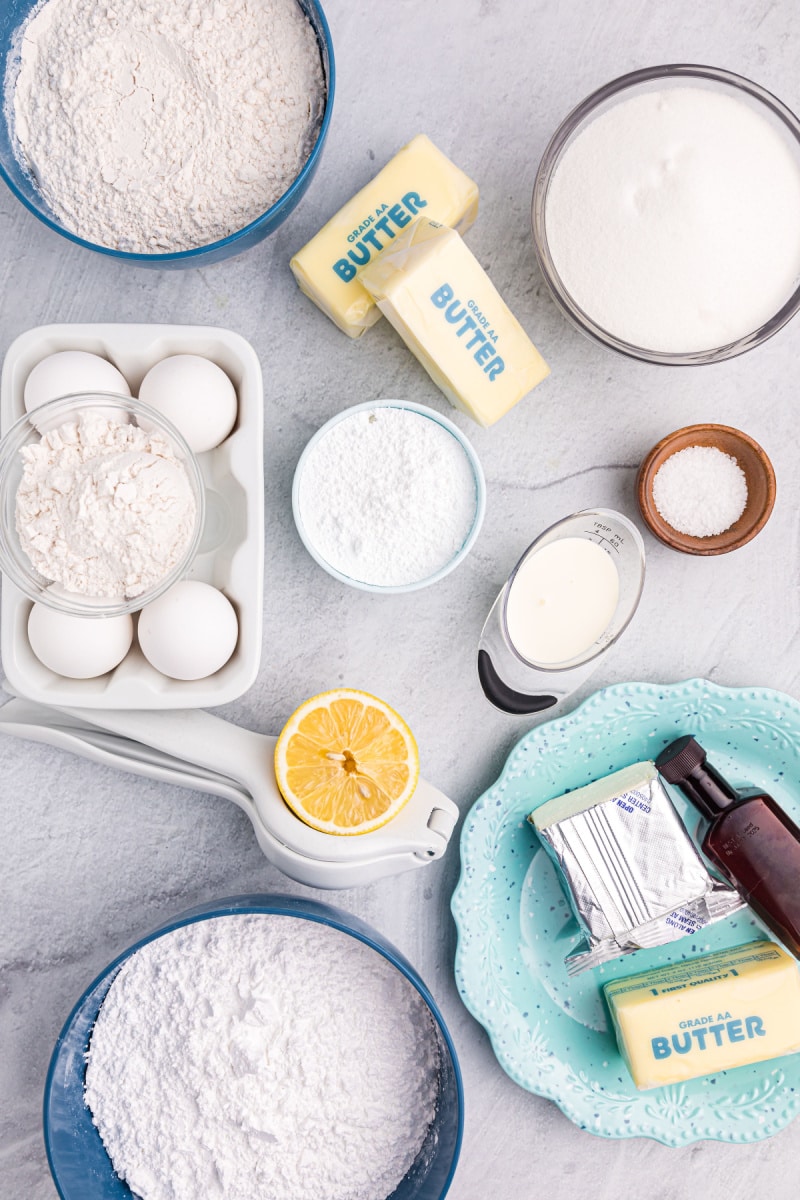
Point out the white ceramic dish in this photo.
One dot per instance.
(480, 496)
(231, 554)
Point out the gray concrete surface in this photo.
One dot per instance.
(92, 858)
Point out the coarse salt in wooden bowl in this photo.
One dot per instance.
(758, 472)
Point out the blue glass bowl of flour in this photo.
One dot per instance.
(23, 186)
(79, 1164)
(476, 484)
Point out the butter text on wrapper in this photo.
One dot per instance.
(702, 1015)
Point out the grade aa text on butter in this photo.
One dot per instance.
(419, 179)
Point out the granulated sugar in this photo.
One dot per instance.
(387, 496)
(262, 1057)
(700, 491)
(673, 219)
(162, 125)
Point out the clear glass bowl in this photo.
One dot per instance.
(655, 79)
(28, 430)
(25, 190)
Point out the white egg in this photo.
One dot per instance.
(189, 632)
(196, 395)
(78, 647)
(71, 371)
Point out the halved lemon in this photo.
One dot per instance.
(346, 762)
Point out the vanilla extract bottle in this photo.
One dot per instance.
(750, 838)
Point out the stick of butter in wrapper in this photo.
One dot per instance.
(629, 868)
(708, 1014)
(438, 297)
(419, 179)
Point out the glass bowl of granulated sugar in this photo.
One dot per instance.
(102, 505)
(159, 138)
(666, 215)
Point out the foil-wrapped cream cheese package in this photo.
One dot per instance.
(440, 300)
(708, 1014)
(629, 868)
(419, 179)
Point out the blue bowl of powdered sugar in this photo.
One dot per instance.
(311, 1040)
(221, 123)
(389, 496)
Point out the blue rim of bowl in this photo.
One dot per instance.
(265, 904)
(193, 473)
(284, 201)
(579, 116)
(480, 496)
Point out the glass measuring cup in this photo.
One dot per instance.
(519, 685)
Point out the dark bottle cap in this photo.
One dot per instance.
(684, 763)
(680, 759)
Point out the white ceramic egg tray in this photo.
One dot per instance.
(231, 555)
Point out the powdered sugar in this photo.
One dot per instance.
(257, 1056)
(161, 125)
(387, 496)
(104, 508)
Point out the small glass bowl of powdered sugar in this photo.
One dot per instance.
(389, 496)
(102, 505)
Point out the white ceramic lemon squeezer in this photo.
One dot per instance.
(194, 749)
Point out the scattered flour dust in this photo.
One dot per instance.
(387, 496)
(162, 125)
(262, 1057)
(103, 507)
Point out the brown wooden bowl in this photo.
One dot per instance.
(758, 472)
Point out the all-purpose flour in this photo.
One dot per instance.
(673, 219)
(162, 125)
(261, 1057)
(103, 508)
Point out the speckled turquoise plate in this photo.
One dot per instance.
(551, 1033)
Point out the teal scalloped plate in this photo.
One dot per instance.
(550, 1033)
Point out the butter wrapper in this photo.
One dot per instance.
(699, 1016)
(628, 866)
(419, 179)
(434, 292)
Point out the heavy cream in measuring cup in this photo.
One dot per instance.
(561, 600)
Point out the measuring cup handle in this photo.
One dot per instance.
(504, 697)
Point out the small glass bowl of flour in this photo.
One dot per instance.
(102, 505)
(666, 215)
(389, 496)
